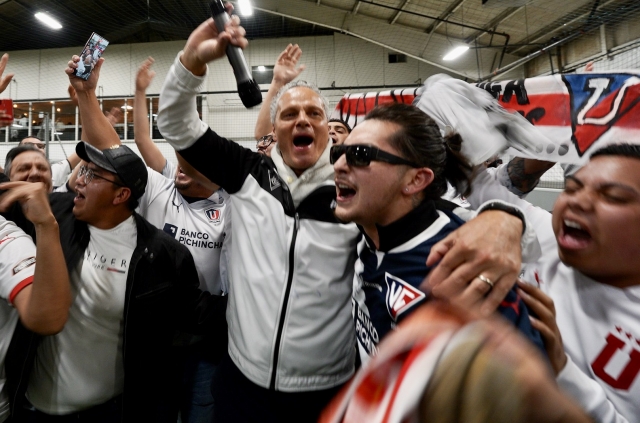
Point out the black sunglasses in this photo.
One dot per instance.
(362, 155)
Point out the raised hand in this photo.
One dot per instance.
(205, 44)
(33, 198)
(285, 69)
(79, 84)
(145, 75)
(4, 80)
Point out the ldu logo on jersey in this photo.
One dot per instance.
(401, 295)
(214, 215)
(597, 103)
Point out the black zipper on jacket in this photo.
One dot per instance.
(283, 312)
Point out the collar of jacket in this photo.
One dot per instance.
(408, 226)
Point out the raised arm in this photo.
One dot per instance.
(4, 80)
(525, 174)
(284, 71)
(43, 306)
(96, 128)
(150, 152)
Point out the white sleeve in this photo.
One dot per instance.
(60, 172)
(169, 170)
(17, 260)
(178, 118)
(588, 393)
(484, 188)
(501, 174)
(156, 184)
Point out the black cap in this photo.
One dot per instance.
(120, 160)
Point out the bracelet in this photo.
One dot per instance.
(507, 208)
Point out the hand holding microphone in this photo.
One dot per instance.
(213, 39)
(248, 89)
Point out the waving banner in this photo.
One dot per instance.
(577, 113)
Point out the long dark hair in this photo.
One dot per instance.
(419, 141)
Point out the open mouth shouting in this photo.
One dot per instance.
(302, 141)
(344, 192)
(574, 235)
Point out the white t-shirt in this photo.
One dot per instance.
(60, 172)
(202, 226)
(17, 259)
(599, 324)
(81, 366)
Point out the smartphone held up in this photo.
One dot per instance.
(92, 51)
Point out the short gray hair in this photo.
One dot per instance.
(295, 84)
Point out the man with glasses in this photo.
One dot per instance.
(133, 287)
(291, 338)
(265, 144)
(195, 215)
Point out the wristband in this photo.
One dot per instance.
(507, 208)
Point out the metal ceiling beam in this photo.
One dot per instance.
(363, 27)
(399, 12)
(493, 24)
(67, 10)
(553, 28)
(356, 7)
(453, 7)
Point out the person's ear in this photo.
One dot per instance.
(122, 196)
(417, 180)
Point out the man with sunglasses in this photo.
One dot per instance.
(133, 286)
(390, 175)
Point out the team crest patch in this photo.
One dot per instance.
(401, 295)
(214, 215)
(24, 264)
(273, 180)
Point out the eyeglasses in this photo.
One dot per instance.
(265, 141)
(362, 155)
(89, 174)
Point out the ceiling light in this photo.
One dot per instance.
(17, 125)
(261, 68)
(245, 7)
(455, 53)
(126, 107)
(48, 20)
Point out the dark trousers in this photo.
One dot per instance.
(108, 412)
(238, 399)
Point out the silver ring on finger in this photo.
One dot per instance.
(486, 280)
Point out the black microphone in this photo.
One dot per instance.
(248, 89)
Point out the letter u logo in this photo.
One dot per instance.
(627, 375)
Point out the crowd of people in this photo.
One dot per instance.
(321, 277)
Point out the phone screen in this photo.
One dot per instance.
(90, 55)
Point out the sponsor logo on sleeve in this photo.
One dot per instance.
(24, 264)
